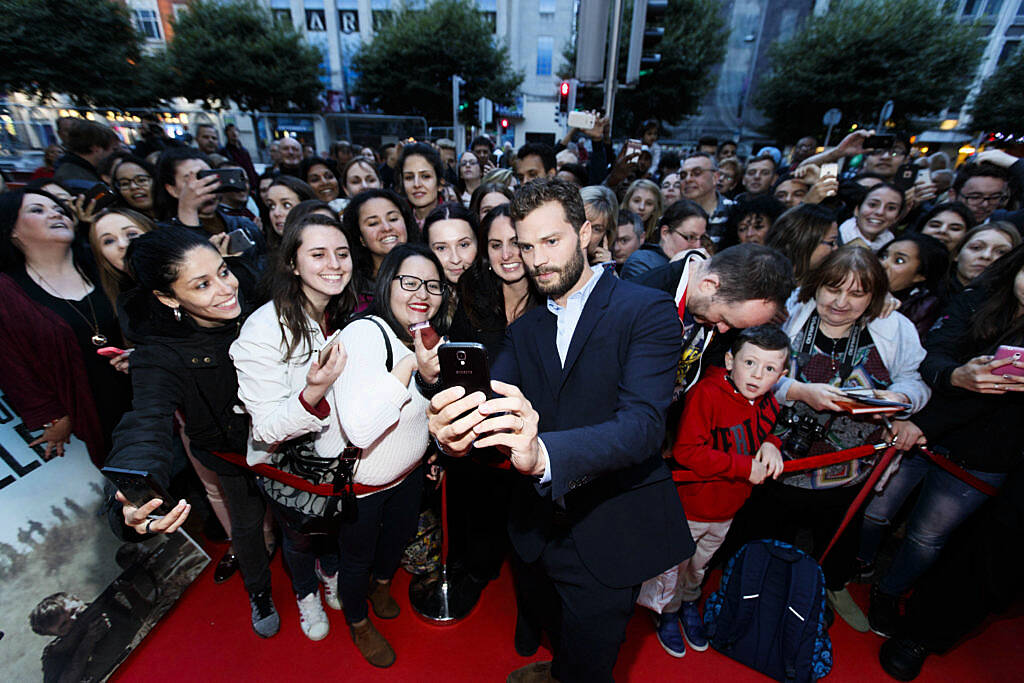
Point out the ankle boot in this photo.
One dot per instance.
(372, 645)
(384, 606)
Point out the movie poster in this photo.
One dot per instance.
(74, 600)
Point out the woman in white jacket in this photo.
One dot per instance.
(354, 400)
(838, 341)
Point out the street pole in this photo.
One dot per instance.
(612, 69)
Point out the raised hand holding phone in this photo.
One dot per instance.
(324, 371)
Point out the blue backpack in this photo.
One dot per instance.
(769, 613)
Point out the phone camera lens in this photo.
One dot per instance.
(461, 355)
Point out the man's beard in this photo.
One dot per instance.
(568, 276)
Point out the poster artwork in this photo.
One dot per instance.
(74, 599)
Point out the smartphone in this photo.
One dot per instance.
(239, 241)
(881, 141)
(633, 147)
(830, 170)
(1012, 353)
(924, 176)
(583, 120)
(332, 341)
(464, 364)
(139, 487)
(905, 176)
(427, 333)
(231, 179)
(111, 352)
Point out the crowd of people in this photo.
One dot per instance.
(643, 313)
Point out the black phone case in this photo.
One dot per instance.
(139, 488)
(231, 179)
(464, 364)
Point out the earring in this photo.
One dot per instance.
(177, 315)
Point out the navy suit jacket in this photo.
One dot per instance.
(602, 420)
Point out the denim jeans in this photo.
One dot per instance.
(301, 551)
(945, 502)
(247, 509)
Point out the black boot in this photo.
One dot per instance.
(902, 658)
(884, 612)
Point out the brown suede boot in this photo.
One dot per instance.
(384, 606)
(538, 672)
(371, 644)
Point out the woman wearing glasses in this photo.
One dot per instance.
(132, 179)
(470, 175)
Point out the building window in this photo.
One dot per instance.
(993, 7)
(282, 17)
(147, 22)
(546, 7)
(545, 49)
(492, 20)
(1010, 47)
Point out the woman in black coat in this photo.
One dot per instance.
(182, 318)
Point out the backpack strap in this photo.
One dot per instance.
(390, 360)
(804, 589)
(756, 558)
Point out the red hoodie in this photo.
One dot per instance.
(719, 434)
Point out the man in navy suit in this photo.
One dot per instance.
(582, 384)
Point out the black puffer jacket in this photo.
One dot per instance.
(178, 366)
(980, 431)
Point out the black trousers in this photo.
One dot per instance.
(978, 572)
(585, 619)
(246, 507)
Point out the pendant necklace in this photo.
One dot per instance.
(97, 338)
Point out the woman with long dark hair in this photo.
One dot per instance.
(451, 233)
(915, 265)
(288, 391)
(284, 194)
(947, 222)
(422, 175)
(974, 418)
(376, 221)
(133, 180)
(806, 234)
(487, 196)
(492, 295)
(182, 318)
(381, 408)
(470, 175)
(53, 320)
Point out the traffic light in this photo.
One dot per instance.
(504, 124)
(646, 32)
(563, 97)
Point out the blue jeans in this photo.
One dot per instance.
(945, 502)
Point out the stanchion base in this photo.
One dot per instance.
(437, 598)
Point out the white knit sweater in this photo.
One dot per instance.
(369, 407)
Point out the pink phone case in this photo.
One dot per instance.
(1013, 353)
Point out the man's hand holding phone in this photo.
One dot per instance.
(198, 192)
(511, 426)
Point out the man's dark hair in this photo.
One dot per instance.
(545, 152)
(764, 157)
(723, 143)
(482, 140)
(205, 125)
(538, 192)
(84, 135)
(708, 141)
(753, 272)
(968, 171)
(229, 125)
(679, 210)
(768, 337)
(578, 170)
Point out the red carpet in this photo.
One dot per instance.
(207, 637)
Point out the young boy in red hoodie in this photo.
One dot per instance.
(724, 434)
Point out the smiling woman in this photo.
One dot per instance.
(375, 222)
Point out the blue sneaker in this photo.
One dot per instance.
(693, 626)
(667, 627)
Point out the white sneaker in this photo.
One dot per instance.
(331, 595)
(312, 616)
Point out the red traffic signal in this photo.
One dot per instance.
(504, 124)
(565, 88)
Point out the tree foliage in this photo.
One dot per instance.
(407, 67)
(694, 44)
(233, 50)
(999, 106)
(87, 49)
(862, 53)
